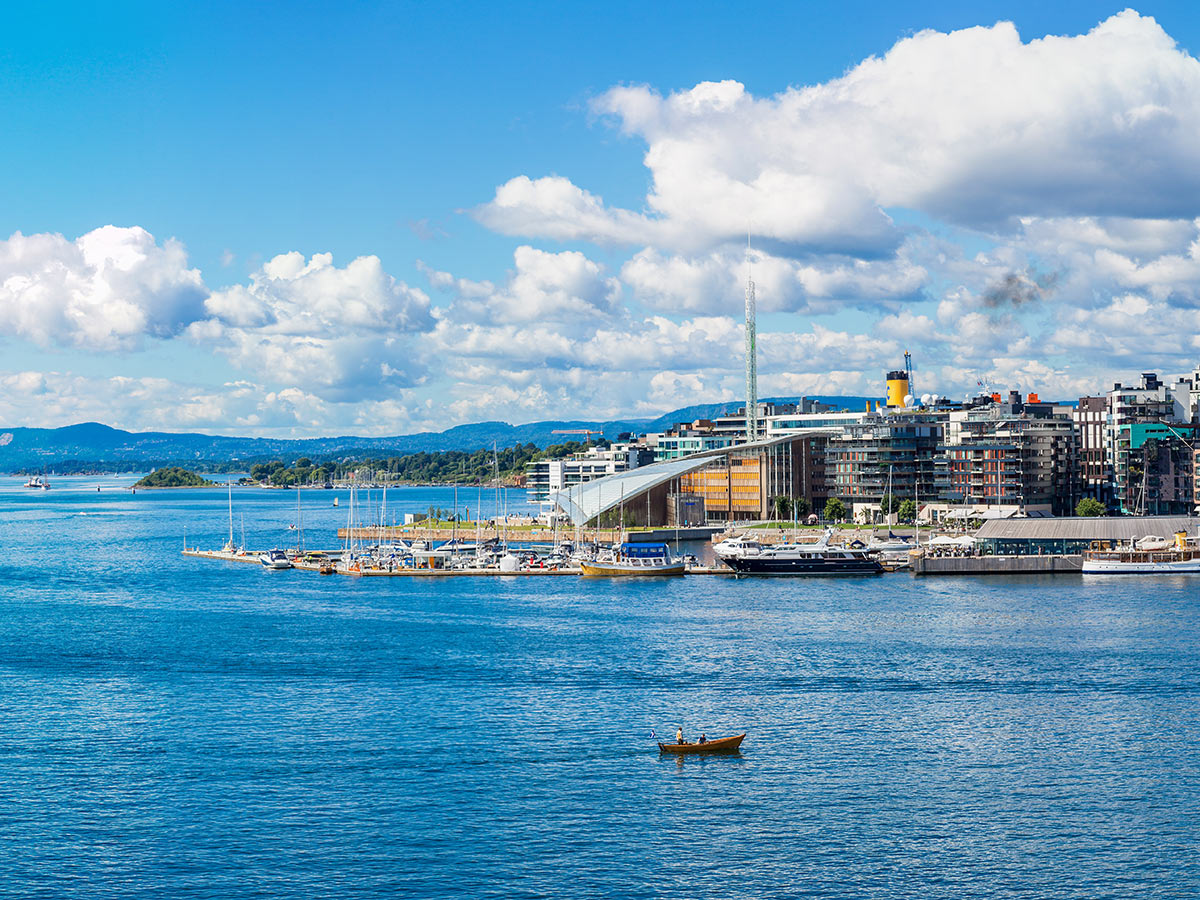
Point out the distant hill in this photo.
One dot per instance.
(91, 446)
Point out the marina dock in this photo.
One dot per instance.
(251, 556)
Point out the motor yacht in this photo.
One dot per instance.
(275, 559)
(805, 559)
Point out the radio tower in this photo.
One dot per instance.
(751, 351)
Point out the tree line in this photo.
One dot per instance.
(441, 467)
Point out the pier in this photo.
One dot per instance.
(1048, 564)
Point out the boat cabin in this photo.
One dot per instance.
(644, 554)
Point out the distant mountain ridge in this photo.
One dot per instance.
(91, 446)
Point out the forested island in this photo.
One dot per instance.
(173, 477)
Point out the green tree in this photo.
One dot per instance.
(783, 508)
(1089, 507)
(889, 503)
(835, 510)
(906, 511)
(802, 507)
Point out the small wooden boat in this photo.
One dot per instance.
(720, 745)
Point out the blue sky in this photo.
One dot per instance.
(221, 137)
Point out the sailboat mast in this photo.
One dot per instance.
(299, 522)
(496, 474)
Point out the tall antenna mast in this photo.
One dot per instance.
(751, 351)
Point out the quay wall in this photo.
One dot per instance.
(997, 565)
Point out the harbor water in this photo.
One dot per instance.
(174, 727)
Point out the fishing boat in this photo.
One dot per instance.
(38, 483)
(720, 745)
(805, 559)
(1148, 556)
(636, 560)
(275, 559)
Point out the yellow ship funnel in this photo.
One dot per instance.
(897, 388)
(1181, 540)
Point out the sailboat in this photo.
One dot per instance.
(893, 546)
(230, 547)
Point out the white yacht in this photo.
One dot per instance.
(737, 546)
(891, 544)
(275, 559)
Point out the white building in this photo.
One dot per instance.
(546, 476)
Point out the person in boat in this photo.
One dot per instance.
(679, 735)
(703, 738)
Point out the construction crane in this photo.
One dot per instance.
(586, 431)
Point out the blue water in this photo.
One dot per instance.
(172, 727)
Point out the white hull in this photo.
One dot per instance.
(1117, 567)
(275, 560)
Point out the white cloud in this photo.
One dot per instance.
(973, 127)
(309, 325)
(715, 282)
(564, 288)
(106, 290)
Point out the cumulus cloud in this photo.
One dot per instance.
(307, 324)
(1118, 333)
(716, 281)
(565, 288)
(974, 127)
(106, 290)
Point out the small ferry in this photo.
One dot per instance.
(1145, 557)
(37, 482)
(637, 560)
(805, 559)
